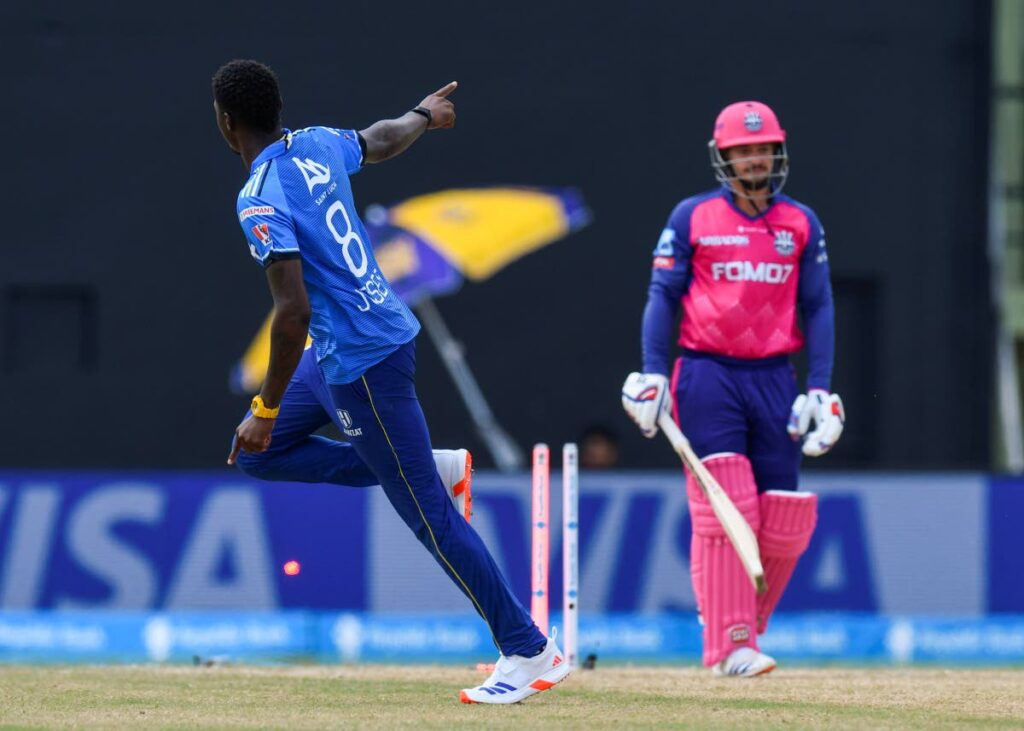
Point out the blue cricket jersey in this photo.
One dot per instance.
(298, 203)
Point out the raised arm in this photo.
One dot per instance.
(390, 137)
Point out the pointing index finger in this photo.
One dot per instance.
(446, 89)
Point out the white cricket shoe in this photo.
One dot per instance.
(516, 678)
(745, 662)
(455, 466)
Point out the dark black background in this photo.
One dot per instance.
(126, 291)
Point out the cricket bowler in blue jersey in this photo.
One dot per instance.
(299, 219)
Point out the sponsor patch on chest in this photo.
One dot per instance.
(724, 240)
(748, 271)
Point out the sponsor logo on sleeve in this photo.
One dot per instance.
(262, 232)
(664, 247)
(664, 262)
(256, 211)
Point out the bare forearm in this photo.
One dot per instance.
(390, 137)
(288, 332)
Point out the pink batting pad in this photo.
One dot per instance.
(787, 524)
(725, 596)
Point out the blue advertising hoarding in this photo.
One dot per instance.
(942, 545)
(168, 567)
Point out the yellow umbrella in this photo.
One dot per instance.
(482, 230)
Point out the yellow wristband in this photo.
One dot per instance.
(260, 409)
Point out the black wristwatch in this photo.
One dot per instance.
(423, 111)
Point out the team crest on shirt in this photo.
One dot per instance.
(314, 173)
(784, 243)
(752, 121)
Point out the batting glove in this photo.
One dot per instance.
(826, 409)
(644, 397)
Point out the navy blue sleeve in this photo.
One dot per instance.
(814, 296)
(670, 277)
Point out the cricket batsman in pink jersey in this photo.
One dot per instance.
(742, 260)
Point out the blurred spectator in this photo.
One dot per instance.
(599, 448)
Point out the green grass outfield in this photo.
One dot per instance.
(316, 697)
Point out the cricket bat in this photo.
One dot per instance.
(736, 528)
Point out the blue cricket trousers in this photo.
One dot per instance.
(734, 405)
(389, 445)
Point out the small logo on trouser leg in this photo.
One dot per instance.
(346, 424)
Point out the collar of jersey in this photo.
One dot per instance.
(275, 149)
(730, 198)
